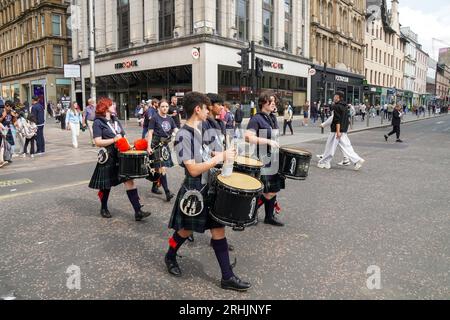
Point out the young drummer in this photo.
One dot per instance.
(262, 130)
(190, 214)
(160, 129)
(107, 130)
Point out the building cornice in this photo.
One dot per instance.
(191, 40)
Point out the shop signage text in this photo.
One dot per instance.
(341, 78)
(126, 64)
(273, 65)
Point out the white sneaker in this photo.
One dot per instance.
(324, 165)
(32, 156)
(24, 155)
(344, 163)
(359, 164)
(320, 156)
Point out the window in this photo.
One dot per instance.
(42, 25)
(242, 19)
(268, 23)
(166, 19)
(57, 57)
(123, 23)
(288, 25)
(56, 25)
(218, 16)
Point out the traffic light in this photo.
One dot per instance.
(244, 62)
(259, 67)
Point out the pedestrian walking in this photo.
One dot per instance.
(29, 129)
(338, 136)
(73, 123)
(288, 116)
(89, 117)
(305, 114)
(229, 117)
(238, 116)
(8, 118)
(174, 111)
(39, 114)
(396, 120)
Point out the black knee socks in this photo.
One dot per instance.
(221, 250)
(103, 195)
(175, 242)
(164, 183)
(134, 199)
(269, 206)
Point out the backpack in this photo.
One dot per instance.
(29, 129)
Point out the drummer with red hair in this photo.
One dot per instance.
(108, 135)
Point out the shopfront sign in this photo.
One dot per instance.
(72, 71)
(126, 64)
(273, 65)
(341, 79)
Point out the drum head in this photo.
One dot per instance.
(296, 150)
(240, 181)
(248, 162)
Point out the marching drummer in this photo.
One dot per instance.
(262, 130)
(190, 213)
(107, 130)
(160, 130)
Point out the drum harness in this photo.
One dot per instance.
(103, 153)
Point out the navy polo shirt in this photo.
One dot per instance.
(162, 127)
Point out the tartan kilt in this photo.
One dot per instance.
(202, 222)
(273, 183)
(106, 175)
(166, 164)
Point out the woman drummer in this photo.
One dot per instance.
(262, 130)
(160, 130)
(107, 130)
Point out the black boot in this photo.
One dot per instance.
(273, 221)
(155, 189)
(234, 283)
(172, 266)
(105, 213)
(138, 216)
(169, 196)
(270, 215)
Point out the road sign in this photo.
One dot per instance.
(72, 71)
(196, 53)
(312, 71)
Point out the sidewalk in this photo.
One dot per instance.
(59, 150)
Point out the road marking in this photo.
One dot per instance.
(10, 183)
(440, 122)
(10, 196)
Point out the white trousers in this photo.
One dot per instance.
(75, 129)
(345, 145)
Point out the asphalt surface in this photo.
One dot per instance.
(393, 214)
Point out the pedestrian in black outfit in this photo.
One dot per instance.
(38, 112)
(396, 120)
(107, 130)
(174, 111)
(288, 115)
(238, 116)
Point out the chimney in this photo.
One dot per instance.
(395, 21)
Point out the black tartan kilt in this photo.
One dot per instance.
(202, 222)
(273, 183)
(106, 175)
(168, 163)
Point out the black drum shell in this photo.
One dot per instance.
(253, 171)
(302, 160)
(133, 166)
(232, 206)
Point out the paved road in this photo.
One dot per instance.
(393, 214)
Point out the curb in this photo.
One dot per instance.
(389, 125)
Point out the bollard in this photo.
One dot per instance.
(322, 130)
(368, 117)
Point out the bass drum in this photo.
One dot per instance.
(235, 201)
(294, 163)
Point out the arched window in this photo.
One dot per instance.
(330, 15)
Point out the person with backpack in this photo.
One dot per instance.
(29, 131)
(288, 115)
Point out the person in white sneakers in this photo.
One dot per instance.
(327, 123)
(338, 136)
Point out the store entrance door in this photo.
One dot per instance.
(123, 108)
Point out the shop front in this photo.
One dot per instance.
(325, 83)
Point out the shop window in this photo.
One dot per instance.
(123, 22)
(242, 19)
(166, 19)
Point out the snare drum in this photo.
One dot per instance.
(236, 200)
(294, 163)
(133, 164)
(248, 166)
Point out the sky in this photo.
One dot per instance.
(429, 19)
